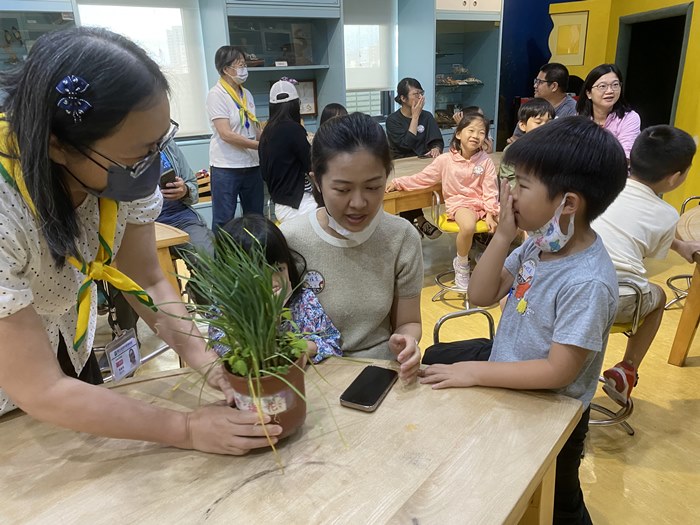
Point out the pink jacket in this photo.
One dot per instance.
(462, 184)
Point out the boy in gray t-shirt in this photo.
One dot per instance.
(561, 284)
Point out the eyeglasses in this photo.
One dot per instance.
(142, 165)
(536, 82)
(603, 87)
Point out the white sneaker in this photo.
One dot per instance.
(461, 274)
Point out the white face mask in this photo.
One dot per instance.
(241, 74)
(356, 238)
(550, 238)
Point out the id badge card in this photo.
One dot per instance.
(123, 354)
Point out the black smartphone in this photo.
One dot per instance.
(369, 388)
(167, 177)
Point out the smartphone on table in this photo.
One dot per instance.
(369, 388)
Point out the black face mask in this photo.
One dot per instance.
(122, 186)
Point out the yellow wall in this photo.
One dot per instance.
(601, 46)
(688, 112)
(596, 35)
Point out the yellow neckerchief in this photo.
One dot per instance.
(243, 111)
(100, 268)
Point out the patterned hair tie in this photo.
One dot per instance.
(70, 87)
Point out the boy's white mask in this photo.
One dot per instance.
(549, 237)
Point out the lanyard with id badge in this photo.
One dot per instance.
(123, 353)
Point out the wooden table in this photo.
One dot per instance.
(477, 456)
(688, 229)
(396, 202)
(167, 236)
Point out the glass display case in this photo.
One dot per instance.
(20, 29)
(269, 42)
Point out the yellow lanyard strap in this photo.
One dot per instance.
(100, 268)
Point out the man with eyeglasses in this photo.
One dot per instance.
(551, 84)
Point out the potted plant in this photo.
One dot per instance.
(251, 330)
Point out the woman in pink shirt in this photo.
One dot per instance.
(469, 185)
(603, 100)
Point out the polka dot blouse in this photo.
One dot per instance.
(29, 277)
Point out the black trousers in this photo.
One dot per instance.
(569, 507)
(90, 372)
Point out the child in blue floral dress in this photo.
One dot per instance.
(308, 316)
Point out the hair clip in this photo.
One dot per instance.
(72, 86)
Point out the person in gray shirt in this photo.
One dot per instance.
(561, 284)
(551, 84)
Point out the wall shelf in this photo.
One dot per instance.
(288, 68)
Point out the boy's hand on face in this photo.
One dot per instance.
(506, 218)
(449, 376)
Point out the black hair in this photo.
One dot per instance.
(573, 154)
(555, 72)
(347, 134)
(468, 118)
(227, 55)
(404, 86)
(535, 107)
(251, 229)
(332, 110)
(584, 106)
(281, 112)
(660, 151)
(121, 77)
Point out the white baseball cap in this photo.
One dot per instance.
(283, 91)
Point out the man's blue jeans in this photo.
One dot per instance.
(230, 184)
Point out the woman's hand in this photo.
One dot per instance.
(506, 217)
(216, 378)
(405, 348)
(417, 107)
(174, 191)
(491, 222)
(224, 430)
(390, 186)
(435, 152)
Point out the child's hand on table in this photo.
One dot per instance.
(448, 376)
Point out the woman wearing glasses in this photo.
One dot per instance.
(79, 174)
(603, 100)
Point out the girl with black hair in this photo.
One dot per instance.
(284, 154)
(308, 316)
(79, 174)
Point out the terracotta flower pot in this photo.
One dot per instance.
(277, 399)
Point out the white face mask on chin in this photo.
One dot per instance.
(356, 238)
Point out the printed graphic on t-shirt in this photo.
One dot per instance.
(420, 128)
(314, 281)
(523, 282)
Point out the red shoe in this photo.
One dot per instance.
(619, 381)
